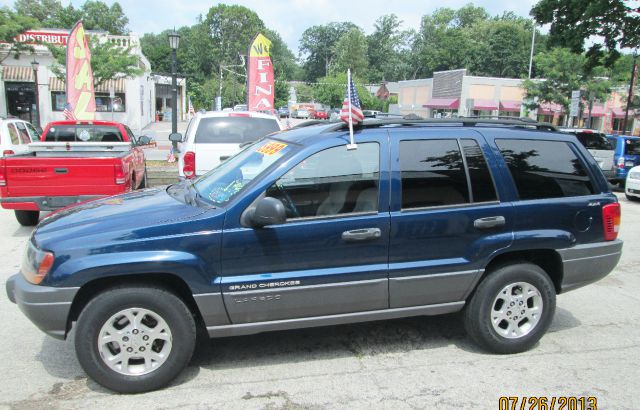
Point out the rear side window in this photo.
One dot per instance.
(545, 169)
(594, 140)
(83, 133)
(13, 134)
(233, 130)
(632, 147)
(23, 133)
(432, 174)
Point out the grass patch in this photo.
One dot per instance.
(159, 163)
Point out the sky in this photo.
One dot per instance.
(291, 17)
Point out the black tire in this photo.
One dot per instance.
(27, 218)
(144, 183)
(629, 197)
(478, 312)
(101, 310)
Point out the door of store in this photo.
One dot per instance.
(21, 100)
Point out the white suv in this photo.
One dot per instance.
(15, 135)
(212, 137)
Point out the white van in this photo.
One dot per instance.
(599, 146)
(212, 137)
(15, 136)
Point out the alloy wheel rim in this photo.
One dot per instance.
(135, 341)
(516, 310)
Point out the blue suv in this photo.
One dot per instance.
(626, 155)
(494, 218)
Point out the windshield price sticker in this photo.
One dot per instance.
(272, 148)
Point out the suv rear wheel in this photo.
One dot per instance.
(27, 218)
(135, 339)
(511, 309)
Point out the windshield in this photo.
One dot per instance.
(234, 130)
(223, 183)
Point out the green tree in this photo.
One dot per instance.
(616, 22)
(330, 90)
(351, 52)
(96, 15)
(108, 61)
(562, 71)
(389, 50)
(12, 24)
(317, 48)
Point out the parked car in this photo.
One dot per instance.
(599, 146)
(213, 137)
(632, 185)
(370, 113)
(320, 115)
(16, 135)
(240, 107)
(302, 113)
(283, 112)
(627, 155)
(76, 161)
(334, 114)
(296, 230)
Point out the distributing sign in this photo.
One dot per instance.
(260, 82)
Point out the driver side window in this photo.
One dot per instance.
(331, 182)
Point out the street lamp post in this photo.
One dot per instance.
(35, 65)
(174, 41)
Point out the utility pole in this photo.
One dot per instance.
(533, 43)
(634, 72)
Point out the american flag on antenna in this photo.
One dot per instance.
(353, 110)
(68, 112)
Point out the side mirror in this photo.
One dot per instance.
(268, 211)
(175, 137)
(144, 140)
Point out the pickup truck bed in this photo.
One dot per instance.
(56, 174)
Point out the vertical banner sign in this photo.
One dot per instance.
(260, 87)
(80, 92)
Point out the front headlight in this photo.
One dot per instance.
(634, 175)
(36, 264)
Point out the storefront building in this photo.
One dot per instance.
(131, 101)
(453, 93)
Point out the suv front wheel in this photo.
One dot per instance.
(511, 309)
(135, 339)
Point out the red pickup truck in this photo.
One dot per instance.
(75, 161)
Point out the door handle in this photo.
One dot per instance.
(60, 170)
(489, 222)
(223, 158)
(358, 235)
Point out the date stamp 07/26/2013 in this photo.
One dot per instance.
(547, 403)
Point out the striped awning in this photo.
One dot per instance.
(17, 73)
(57, 84)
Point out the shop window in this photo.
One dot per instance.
(58, 100)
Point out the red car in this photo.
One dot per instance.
(321, 115)
(75, 161)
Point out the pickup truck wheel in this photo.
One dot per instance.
(135, 339)
(144, 183)
(511, 309)
(27, 218)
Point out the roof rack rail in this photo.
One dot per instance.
(463, 121)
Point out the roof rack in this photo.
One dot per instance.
(462, 121)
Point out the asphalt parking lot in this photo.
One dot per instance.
(592, 349)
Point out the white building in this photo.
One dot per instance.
(132, 101)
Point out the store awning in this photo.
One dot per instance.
(443, 103)
(550, 109)
(57, 84)
(596, 111)
(484, 105)
(510, 105)
(618, 112)
(17, 73)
